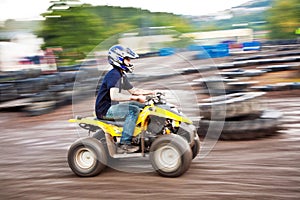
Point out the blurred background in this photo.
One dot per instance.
(67, 33)
(75, 28)
(233, 65)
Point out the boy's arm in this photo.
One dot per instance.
(125, 95)
(137, 91)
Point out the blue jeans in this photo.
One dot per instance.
(130, 111)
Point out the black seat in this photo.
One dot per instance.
(116, 122)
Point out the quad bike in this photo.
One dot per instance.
(162, 133)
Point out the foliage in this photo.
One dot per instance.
(81, 28)
(284, 19)
(76, 30)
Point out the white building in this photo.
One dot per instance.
(214, 37)
(14, 47)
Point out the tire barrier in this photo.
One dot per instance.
(232, 74)
(231, 84)
(225, 66)
(239, 86)
(221, 86)
(253, 72)
(247, 63)
(243, 63)
(264, 125)
(43, 96)
(35, 87)
(194, 70)
(52, 79)
(18, 75)
(32, 73)
(239, 110)
(241, 113)
(232, 105)
(265, 56)
(281, 42)
(277, 87)
(30, 85)
(213, 82)
(8, 92)
(276, 68)
(35, 93)
(68, 76)
(237, 73)
(39, 108)
(68, 68)
(295, 85)
(56, 88)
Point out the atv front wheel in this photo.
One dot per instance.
(87, 157)
(196, 147)
(170, 155)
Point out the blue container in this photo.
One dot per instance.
(194, 47)
(202, 55)
(251, 46)
(217, 51)
(166, 51)
(213, 51)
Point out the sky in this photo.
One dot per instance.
(31, 9)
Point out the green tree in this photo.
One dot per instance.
(284, 19)
(74, 29)
(79, 29)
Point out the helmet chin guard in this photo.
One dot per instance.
(117, 54)
(130, 68)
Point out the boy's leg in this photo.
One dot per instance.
(131, 112)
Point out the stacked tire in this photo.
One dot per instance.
(8, 92)
(45, 92)
(237, 116)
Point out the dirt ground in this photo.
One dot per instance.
(34, 164)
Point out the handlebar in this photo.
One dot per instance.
(157, 98)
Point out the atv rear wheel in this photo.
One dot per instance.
(170, 155)
(87, 157)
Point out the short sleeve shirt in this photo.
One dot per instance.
(114, 78)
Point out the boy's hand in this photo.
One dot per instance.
(139, 98)
(142, 99)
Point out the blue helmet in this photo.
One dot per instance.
(117, 54)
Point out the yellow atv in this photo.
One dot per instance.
(162, 133)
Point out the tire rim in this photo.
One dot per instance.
(85, 158)
(167, 158)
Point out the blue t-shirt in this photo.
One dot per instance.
(114, 78)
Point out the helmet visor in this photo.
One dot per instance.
(130, 54)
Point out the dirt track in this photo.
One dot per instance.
(34, 165)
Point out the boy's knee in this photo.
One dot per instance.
(135, 109)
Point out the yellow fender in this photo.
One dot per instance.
(107, 128)
(160, 112)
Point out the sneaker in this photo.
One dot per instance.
(127, 148)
